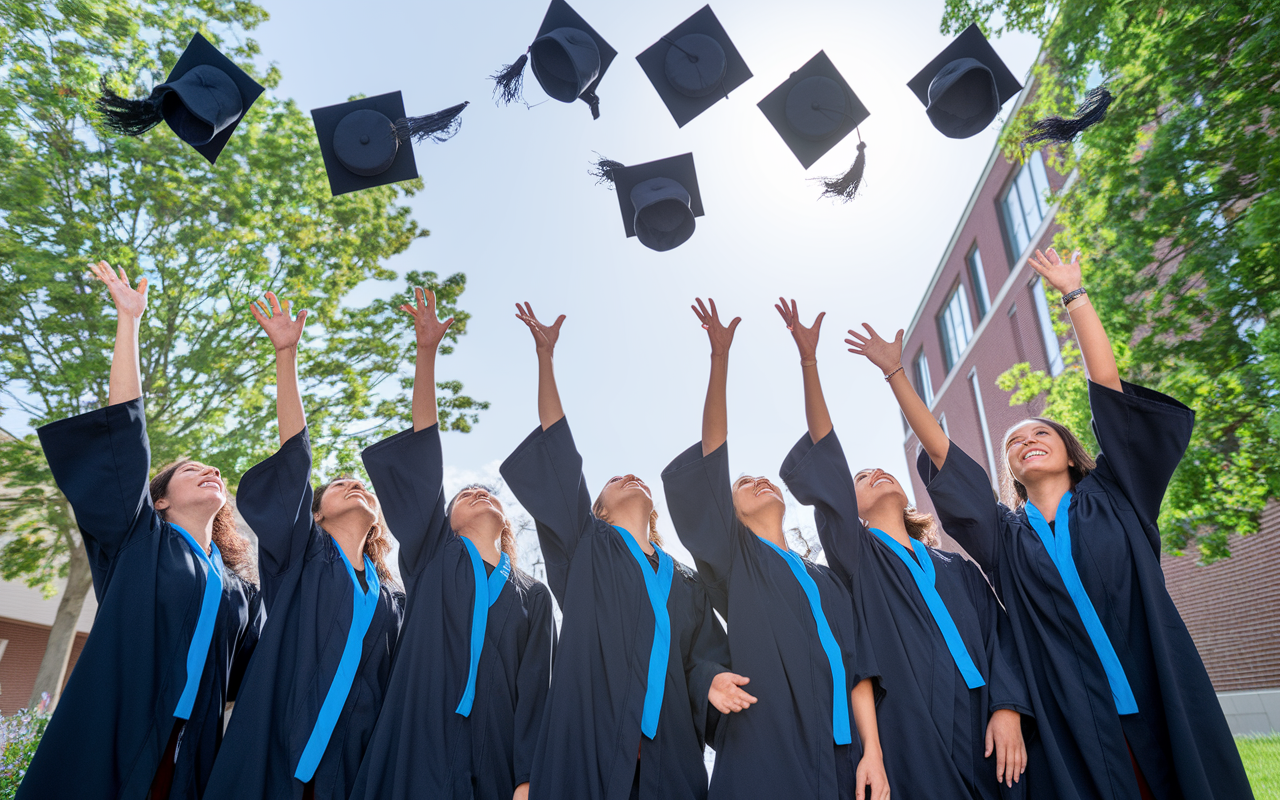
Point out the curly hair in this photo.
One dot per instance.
(1013, 493)
(921, 526)
(236, 551)
(507, 540)
(599, 512)
(377, 545)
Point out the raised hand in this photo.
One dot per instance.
(885, 355)
(806, 338)
(283, 330)
(725, 695)
(426, 326)
(544, 336)
(721, 336)
(1063, 276)
(130, 302)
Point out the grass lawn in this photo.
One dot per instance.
(1261, 756)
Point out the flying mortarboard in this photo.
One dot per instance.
(694, 66)
(659, 200)
(361, 140)
(202, 100)
(965, 86)
(567, 57)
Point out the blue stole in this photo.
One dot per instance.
(658, 585)
(480, 615)
(198, 651)
(839, 700)
(1058, 543)
(365, 604)
(925, 573)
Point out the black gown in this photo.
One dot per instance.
(115, 717)
(309, 594)
(591, 733)
(1179, 737)
(421, 747)
(783, 746)
(932, 725)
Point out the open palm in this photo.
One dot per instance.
(721, 335)
(884, 354)
(283, 330)
(544, 336)
(426, 326)
(1061, 275)
(129, 302)
(806, 338)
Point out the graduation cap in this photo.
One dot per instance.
(361, 140)
(965, 86)
(659, 200)
(812, 111)
(694, 66)
(568, 58)
(202, 100)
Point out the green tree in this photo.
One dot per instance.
(209, 238)
(1174, 208)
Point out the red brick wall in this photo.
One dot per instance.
(21, 661)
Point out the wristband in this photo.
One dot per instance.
(891, 374)
(1072, 295)
(813, 362)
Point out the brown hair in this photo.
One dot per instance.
(1014, 493)
(376, 544)
(921, 526)
(598, 510)
(237, 554)
(507, 541)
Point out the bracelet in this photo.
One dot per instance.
(1072, 295)
(891, 374)
(813, 362)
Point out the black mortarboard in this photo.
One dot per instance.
(694, 66)
(813, 109)
(659, 200)
(569, 59)
(360, 140)
(203, 99)
(963, 88)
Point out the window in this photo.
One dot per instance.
(979, 281)
(1052, 349)
(1025, 204)
(955, 327)
(924, 384)
(976, 386)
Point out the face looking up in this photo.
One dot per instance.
(475, 508)
(347, 496)
(1034, 449)
(875, 487)
(753, 497)
(195, 487)
(625, 493)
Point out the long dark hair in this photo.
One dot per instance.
(377, 545)
(237, 554)
(1013, 493)
(507, 543)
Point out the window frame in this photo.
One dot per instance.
(924, 381)
(948, 327)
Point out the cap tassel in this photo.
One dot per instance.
(590, 98)
(1092, 109)
(438, 127)
(128, 117)
(847, 185)
(508, 84)
(604, 170)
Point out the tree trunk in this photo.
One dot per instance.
(53, 667)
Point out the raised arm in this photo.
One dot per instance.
(545, 337)
(715, 412)
(815, 405)
(888, 357)
(429, 331)
(284, 332)
(126, 371)
(1095, 347)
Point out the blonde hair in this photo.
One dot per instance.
(599, 512)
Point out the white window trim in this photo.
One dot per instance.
(929, 396)
(979, 276)
(982, 421)
(1052, 347)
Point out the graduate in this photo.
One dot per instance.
(635, 690)
(951, 719)
(141, 716)
(792, 627)
(470, 680)
(315, 684)
(1124, 708)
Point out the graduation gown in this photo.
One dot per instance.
(309, 597)
(115, 717)
(421, 747)
(1179, 736)
(591, 733)
(932, 725)
(783, 746)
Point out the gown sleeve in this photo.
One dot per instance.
(100, 461)
(1007, 687)
(967, 509)
(274, 498)
(700, 500)
(818, 475)
(407, 471)
(707, 657)
(533, 679)
(248, 642)
(545, 475)
(1142, 435)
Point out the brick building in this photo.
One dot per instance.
(984, 311)
(25, 619)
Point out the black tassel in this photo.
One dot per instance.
(1058, 130)
(508, 83)
(438, 127)
(125, 116)
(846, 186)
(593, 101)
(603, 170)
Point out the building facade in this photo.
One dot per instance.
(25, 619)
